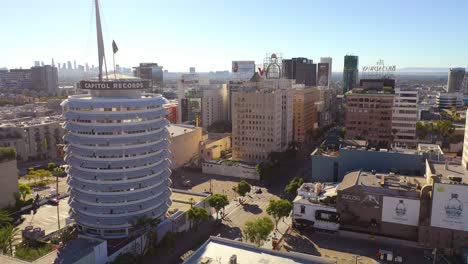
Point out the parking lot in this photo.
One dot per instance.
(46, 217)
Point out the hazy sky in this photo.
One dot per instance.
(209, 34)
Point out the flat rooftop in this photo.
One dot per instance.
(220, 250)
(177, 130)
(388, 181)
(181, 199)
(449, 170)
(75, 250)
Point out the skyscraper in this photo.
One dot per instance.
(117, 152)
(303, 70)
(455, 80)
(350, 72)
(45, 78)
(329, 61)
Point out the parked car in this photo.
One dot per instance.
(18, 221)
(53, 201)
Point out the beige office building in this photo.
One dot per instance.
(214, 104)
(33, 139)
(262, 119)
(305, 118)
(405, 117)
(8, 182)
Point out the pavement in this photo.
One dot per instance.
(46, 217)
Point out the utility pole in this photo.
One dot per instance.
(58, 202)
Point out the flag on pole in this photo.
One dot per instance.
(114, 47)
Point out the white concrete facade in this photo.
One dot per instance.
(231, 169)
(214, 104)
(405, 116)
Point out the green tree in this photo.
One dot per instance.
(294, 184)
(265, 170)
(51, 166)
(279, 209)
(257, 231)
(5, 218)
(9, 236)
(196, 215)
(58, 172)
(242, 189)
(24, 190)
(145, 224)
(218, 202)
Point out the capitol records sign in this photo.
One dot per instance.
(450, 206)
(115, 85)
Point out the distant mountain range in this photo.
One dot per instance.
(424, 70)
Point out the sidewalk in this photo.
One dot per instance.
(283, 226)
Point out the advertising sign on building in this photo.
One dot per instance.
(400, 211)
(243, 68)
(450, 206)
(322, 74)
(367, 200)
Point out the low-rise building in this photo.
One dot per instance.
(448, 100)
(173, 109)
(33, 139)
(215, 146)
(231, 169)
(185, 144)
(384, 204)
(8, 177)
(233, 252)
(315, 206)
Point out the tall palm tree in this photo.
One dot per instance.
(145, 224)
(8, 238)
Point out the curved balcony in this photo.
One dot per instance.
(114, 175)
(118, 209)
(115, 115)
(117, 186)
(117, 221)
(120, 197)
(121, 127)
(147, 100)
(72, 138)
(118, 151)
(118, 163)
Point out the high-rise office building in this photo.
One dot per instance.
(214, 104)
(305, 117)
(45, 78)
(150, 71)
(303, 70)
(117, 154)
(350, 72)
(192, 69)
(465, 84)
(262, 118)
(368, 116)
(455, 80)
(405, 116)
(329, 61)
(118, 157)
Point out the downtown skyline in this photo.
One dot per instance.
(209, 34)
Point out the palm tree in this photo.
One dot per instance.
(5, 218)
(8, 238)
(145, 224)
(197, 214)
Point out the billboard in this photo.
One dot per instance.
(400, 211)
(364, 199)
(450, 206)
(322, 74)
(243, 68)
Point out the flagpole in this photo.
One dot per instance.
(113, 60)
